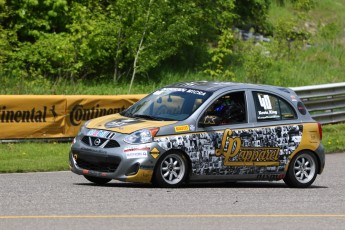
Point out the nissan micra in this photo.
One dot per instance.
(203, 131)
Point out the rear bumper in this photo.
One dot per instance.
(320, 152)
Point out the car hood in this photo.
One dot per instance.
(121, 124)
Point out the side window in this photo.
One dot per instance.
(227, 109)
(272, 108)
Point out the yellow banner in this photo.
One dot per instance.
(81, 109)
(29, 116)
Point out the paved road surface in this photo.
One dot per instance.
(63, 200)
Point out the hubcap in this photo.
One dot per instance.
(304, 168)
(173, 169)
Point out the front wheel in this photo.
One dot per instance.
(302, 170)
(171, 171)
(97, 180)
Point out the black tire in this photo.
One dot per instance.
(171, 170)
(97, 180)
(302, 170)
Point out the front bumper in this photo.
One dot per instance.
(125, 162)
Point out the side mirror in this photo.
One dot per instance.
(209, 120)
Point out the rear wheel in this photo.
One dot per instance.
(171, 171)
(97, 180)
(302, 170)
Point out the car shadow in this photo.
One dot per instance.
(241, 184)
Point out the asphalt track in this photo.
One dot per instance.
(63, 200)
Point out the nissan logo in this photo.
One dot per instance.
(97, 142)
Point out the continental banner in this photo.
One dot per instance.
(31, 117)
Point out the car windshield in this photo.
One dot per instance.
(168, 104)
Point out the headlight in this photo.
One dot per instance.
(141, 136)
(86, 123)
(83, 127)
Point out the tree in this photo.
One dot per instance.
(84, 39)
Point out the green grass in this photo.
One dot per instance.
(33, 157)
(333, 137)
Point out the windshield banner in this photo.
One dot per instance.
(46, 116)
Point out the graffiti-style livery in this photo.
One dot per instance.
(207, 131)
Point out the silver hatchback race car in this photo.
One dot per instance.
(203, 131)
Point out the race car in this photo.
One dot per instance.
(203, 131)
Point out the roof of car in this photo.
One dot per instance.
(212, 86)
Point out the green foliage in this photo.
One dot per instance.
(290, 37)
(95, 39)
(50, 42)
(304, 5)
(252, 13)
(257, 61)
(34, 17)
(217, 68)
(330, 31)
(93, 34)
(5, 46)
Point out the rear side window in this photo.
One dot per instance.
(272, 108)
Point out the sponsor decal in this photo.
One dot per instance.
(79, 113)
(265, 102)
(136, 152)
(182, 128)
(270, 176)
(121, 122)
(101, 134)
(271, 114)
(175, 89)
(197, 92)
(293, 98)
(211, 120)
(140, 148)
(235, 155)
(264, 150)
(154, 153)
(192, 127)
(268, 112)
(191, 91)
(93, 150)
(34, 115)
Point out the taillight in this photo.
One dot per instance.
(320, 130)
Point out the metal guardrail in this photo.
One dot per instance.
(326, 103)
